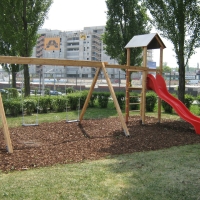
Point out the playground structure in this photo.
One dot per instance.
(148, 41)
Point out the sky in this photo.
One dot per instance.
(68, 15)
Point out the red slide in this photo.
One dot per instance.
(158, 85)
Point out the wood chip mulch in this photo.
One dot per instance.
(61, 142)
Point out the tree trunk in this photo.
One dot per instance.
(13, 79)
(26, 81)
(181, 87)
(181, 55)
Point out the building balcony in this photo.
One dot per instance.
(96, 50)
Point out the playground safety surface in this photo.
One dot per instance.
(61, 142)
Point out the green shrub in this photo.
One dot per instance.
(44, 104)
(73, 100)
(120, 98)
(4, 94)
(188, 100)
(151, 100)
(58, 103)
(76, 100)
(12, 107)
(134, 98)
(93, 98)
(83, 96)
(12, 92)
(6, 105)
(103, 98)
(69, 90)
(168, 108)
(29, 105)
(47, 91)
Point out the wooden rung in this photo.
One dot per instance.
(135, 88)
(139, 69)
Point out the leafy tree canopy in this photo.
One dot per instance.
(125, 19)
(179, 22)
(20, 20)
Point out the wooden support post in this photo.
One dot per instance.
(144, 77)
(159, 100)
(5, 128)
(141, 105)
(115, 100)
(127, 95)
(127, 85)
(89, 94)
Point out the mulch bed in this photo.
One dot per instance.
(61, 142)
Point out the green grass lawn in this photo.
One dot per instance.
(169, 174)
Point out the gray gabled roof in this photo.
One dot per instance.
(151, 41)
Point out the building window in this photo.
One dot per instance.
(87, 58)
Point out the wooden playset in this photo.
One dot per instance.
(148, 41)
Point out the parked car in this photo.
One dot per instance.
(193, 82)
(54, 92)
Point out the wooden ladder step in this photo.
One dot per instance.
(135, 88)
(134, 103)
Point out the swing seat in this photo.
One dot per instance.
(30, 124)
(73, 121)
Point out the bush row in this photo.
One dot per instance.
(74, 100)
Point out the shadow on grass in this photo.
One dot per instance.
(165, 174)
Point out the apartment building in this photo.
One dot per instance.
(83, 44)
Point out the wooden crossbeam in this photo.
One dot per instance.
(48, 61)
(64, 62)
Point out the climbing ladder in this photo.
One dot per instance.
(129, 89)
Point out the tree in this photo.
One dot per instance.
(179, 22)
(6, 49)
(125, 19)
(166, 69)
(20, 20)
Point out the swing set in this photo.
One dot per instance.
(148, 41)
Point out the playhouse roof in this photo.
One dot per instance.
(151, 41)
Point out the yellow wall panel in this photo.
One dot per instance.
(52, 43)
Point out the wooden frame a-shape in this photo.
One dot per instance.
(112, 94)
(5, 128)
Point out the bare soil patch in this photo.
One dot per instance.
(61, 142)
